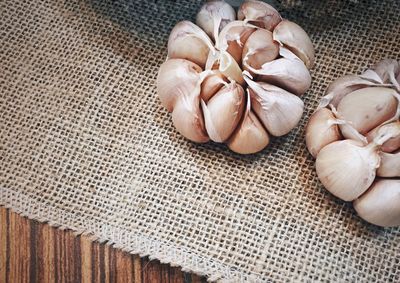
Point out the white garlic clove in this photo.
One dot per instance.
(380, 205)
(390, 165)
(230, 68)
(188, 41)
(188, 118)
(288, 72)
(233, 37)
(391, 145)
(321, 130)
(259, 14)
(367, 108)
(211, 85)
(342, 86)
(293, 37)
(223, 112)
(176, 77)
(260, 48)
(278, 110)
(347, 168)
(250, 136)
(213, 16)
(388, 70)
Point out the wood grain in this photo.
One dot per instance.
(35, 252)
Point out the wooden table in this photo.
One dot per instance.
(34, 252)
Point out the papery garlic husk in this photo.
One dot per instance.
(278, 110)
(390, 165)
(293, 37)
(188, 41)
(388, 70)
(260, 48)
(288, 72)
(213, 16)
(347, 168)
(347, 84)
(259, 14)
(223, 112)
(367, 108)
(322, 129)
(233, 37)
(380, 205)
(230, 68)
(250, 136)
(391, 145)
(188, 118)
(212, 84)
(176, 77)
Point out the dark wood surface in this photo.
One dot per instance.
(34, 252)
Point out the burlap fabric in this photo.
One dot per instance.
(85, 144)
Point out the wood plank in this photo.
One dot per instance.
(35, 252)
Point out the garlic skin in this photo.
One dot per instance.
(293, 37)
(212, 84)
(390, 165)
(230, 68)
(188, 41)
(176, 77)
(288, 72)
(388, 70)
(259, 14)
(188, 118)
(260, 48)
(367, 108)
(250, 137)
(223, 112)
(390, 145)
(213, 16)
(278, 110)
(321, 130)
(347, 168)
(380, 205)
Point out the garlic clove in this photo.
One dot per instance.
(380, 205)
(391, 145)
(250, 136)
(288, 72)
(233, 37)
(211, 85)
(345, 85)
(176, 77)
(188, 41)
(260, 48)
(224, 111)
(213, 16)
(293, 37)
(188, 118)
(259, 14)
(367, 108)
(230, 68)
(347, 168)
(321, 130)
(278, 110)
(390, 165)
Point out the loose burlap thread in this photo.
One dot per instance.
(86, 145)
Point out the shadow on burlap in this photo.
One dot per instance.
(86, 145)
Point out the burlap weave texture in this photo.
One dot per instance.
(85, 144)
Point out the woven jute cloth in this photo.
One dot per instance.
(86, 145)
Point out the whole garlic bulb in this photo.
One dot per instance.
(363, 110)
(236, 79)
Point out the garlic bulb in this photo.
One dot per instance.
(380, 205)
(213, 16)
(364, 110)
(230, 80)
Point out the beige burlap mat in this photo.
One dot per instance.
(86, 145)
